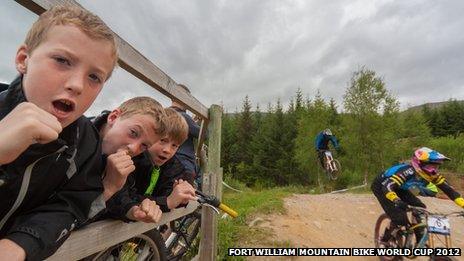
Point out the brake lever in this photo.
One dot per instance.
(211, 206)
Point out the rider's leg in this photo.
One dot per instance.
(397, 216)
(321, 155)
(412, 200)
(399, 219)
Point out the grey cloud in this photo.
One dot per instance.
(224, 50)
(15, 22)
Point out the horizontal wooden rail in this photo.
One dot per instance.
(102, 234)
(134, 62)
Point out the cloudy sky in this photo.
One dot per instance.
(224, 50)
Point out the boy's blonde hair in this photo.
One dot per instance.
(146, 106)
(177, 130)
(89, 23)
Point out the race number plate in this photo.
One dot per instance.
(439, 225)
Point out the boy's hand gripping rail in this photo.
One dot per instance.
(214, 203)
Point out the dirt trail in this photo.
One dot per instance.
(340, 220)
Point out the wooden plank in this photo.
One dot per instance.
(134, 62)
(102, 234)
(209, 223)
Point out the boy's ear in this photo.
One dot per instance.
(21, 59)
(115, 114)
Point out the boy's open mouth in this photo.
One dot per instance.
(63, 106)
(162, 158)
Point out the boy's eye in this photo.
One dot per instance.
(134, 134)
(62, 60)
(95, 78)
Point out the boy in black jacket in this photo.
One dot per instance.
(159, 175)
(50, 155)
(127, 131)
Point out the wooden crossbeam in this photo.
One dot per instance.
(100, 235)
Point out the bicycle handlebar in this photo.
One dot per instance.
(228, 210)
(426, 212)
(214, 202)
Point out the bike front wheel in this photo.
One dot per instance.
(185, 234)
(335, 169)
(382, 224)
(140, 247)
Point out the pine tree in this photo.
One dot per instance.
(229, 137)
(245, 130)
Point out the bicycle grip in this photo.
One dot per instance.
(228, 210)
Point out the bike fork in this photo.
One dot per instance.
(145, 253)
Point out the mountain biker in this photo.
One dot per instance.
(322, 144)
(392, 187)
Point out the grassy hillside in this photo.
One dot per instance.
(431, 105)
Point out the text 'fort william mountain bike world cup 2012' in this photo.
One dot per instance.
(344, 252)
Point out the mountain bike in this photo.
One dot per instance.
(332, 166)
(425, 231)
(152, 246)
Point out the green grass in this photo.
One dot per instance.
(236, 233)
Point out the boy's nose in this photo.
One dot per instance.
(169, 152)
(166, 150)
(135, 149)
(75, 83)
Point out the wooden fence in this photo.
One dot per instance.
(101, 235)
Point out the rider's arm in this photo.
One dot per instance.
(318, 141)
(390, 186)
(394, 182)
(442, 184)
(428, 191)
(334, 141)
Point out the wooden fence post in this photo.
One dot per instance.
(209, 220)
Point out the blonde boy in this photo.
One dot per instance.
(157, 176)
(175, 185)
(126, 132)
(50, 154)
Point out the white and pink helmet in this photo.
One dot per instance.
(428, 160)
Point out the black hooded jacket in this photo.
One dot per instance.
(50, 188)
(186, 151)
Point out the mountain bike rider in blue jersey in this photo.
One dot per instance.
(322, 144)
(392, 187)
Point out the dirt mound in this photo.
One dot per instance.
(340, 220)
